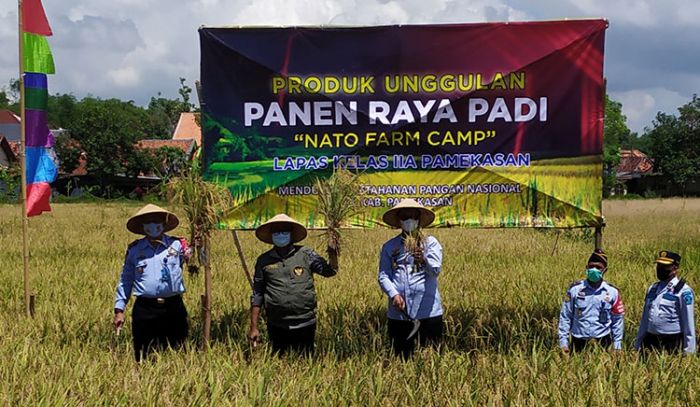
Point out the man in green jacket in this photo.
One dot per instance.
(284, 285)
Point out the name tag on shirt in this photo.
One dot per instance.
(669, 296)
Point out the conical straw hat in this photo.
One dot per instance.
(264, 231)
(391, 217)
(135, 223)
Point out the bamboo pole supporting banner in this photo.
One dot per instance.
(206, 298)
(242, 257)
(28, 300)
(599, 237)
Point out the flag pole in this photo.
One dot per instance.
(28, 308)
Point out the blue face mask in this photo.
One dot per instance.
(281, 239)
(594, 275)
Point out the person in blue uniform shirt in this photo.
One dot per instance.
(592, 310)
(408, 275)
(152, 272)
(668, 321)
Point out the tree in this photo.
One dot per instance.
(164, 113)
(107, 131)
(185, 92)
(4, 99)
(61, 110)
(163, 116)
(674, 143)
(614, 131)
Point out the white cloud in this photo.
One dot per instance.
(641, 105)
(635, 12)
(124, 77)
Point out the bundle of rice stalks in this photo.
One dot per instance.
(339, 200)
(413, 243)
(203, 203)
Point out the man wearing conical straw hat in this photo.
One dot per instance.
(409, 266)
(284, 285)
(152, 271)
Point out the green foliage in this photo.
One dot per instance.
(107, 130)
(9, 96)
(61, 110)
(614, 132)
(170, 161)
(164, 113)
(675, 143)
(163, 116)
(185, 93)
(10, 179)
(4, 99)
(68, 152)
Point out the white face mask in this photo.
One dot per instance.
(409, 225)
(281, 239)
(153, 230)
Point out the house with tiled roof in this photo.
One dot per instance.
(633, 164)
(633, 172)
(188, 128)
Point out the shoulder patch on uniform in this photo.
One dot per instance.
(687, 297)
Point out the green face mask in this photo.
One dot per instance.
(594, 275)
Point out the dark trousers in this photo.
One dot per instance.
(429, 334)
(157, 325)
(579, 344)
(669, 343)
(298, 340)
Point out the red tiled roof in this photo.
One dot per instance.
(634, 161)
(7, 117)
(187, 128)
(186, 146)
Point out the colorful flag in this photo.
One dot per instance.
(37, 54)
(34, 18)
(37, 61)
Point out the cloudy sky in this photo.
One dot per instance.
(133, 49)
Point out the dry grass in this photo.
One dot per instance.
(501, 289)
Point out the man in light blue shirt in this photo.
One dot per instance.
(409, 266)
(592, 310)
(152, 272)
(668, 320)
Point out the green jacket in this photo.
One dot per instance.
(285, 286)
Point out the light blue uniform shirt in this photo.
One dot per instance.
(151, 271)
(667, 312)
(589, 313)
(419, 287)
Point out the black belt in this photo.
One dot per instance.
(159, 300)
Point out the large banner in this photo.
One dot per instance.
(490, 125)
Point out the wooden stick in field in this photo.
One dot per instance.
(242, 257)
